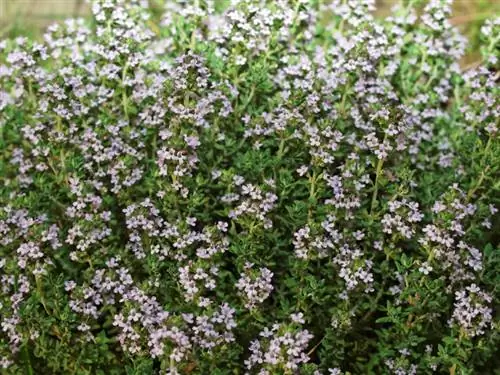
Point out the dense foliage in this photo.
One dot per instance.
(261, 187)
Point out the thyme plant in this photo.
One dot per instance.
(250, 187)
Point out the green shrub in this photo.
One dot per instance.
(261, 187)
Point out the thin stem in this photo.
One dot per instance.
(312, 194)
(124, 93)
(40, 291)
(249, 99)
(281, 148)
(483, 169)
(315, 347)
(378, 172)
(29, 369)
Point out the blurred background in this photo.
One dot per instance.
(30, 17)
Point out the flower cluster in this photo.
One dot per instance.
(257, 288)
(280, 347)
(471, 311)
